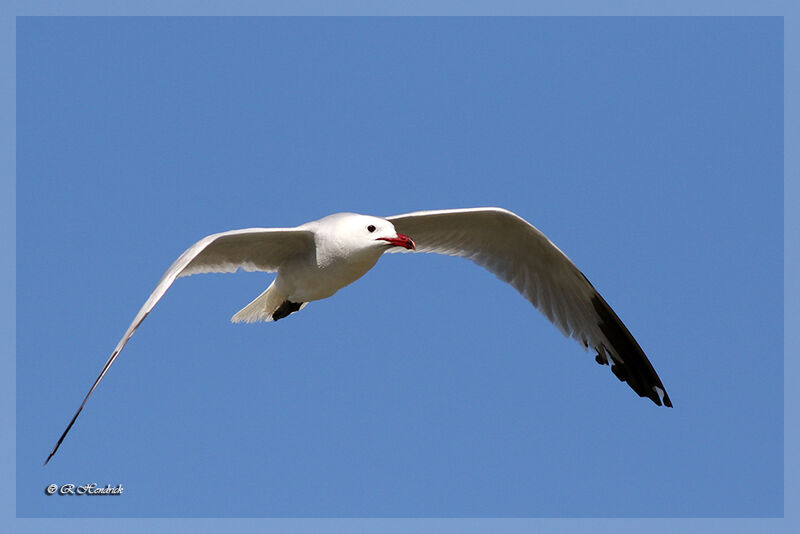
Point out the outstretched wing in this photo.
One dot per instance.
(521, 255)
(252, 249)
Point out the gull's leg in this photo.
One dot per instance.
(286, 308)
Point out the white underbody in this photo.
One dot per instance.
(313, 274)
(305, 279)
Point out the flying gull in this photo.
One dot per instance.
(317, 259)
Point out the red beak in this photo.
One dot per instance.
(400, 241)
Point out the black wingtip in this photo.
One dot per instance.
(635, 368)
(53, 452)
(69, 426)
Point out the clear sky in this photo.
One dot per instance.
(649, 150)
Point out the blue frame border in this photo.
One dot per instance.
(15, 8)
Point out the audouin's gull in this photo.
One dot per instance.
(317, 259)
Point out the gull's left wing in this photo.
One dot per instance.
(521, 255)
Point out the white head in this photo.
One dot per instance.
(356, 232)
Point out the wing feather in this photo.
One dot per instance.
(251, 249)
(521, 255)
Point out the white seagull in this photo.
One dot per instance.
(317, 259)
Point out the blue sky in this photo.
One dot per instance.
(649, 150)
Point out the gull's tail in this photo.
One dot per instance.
(268, 306)
(262, 307)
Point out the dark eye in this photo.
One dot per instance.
(371, 228)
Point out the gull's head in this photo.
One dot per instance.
(361, 232)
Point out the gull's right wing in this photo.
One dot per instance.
(251, 249)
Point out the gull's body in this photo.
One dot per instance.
(315, 260)
(343, 250)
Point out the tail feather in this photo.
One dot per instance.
(261, 308)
